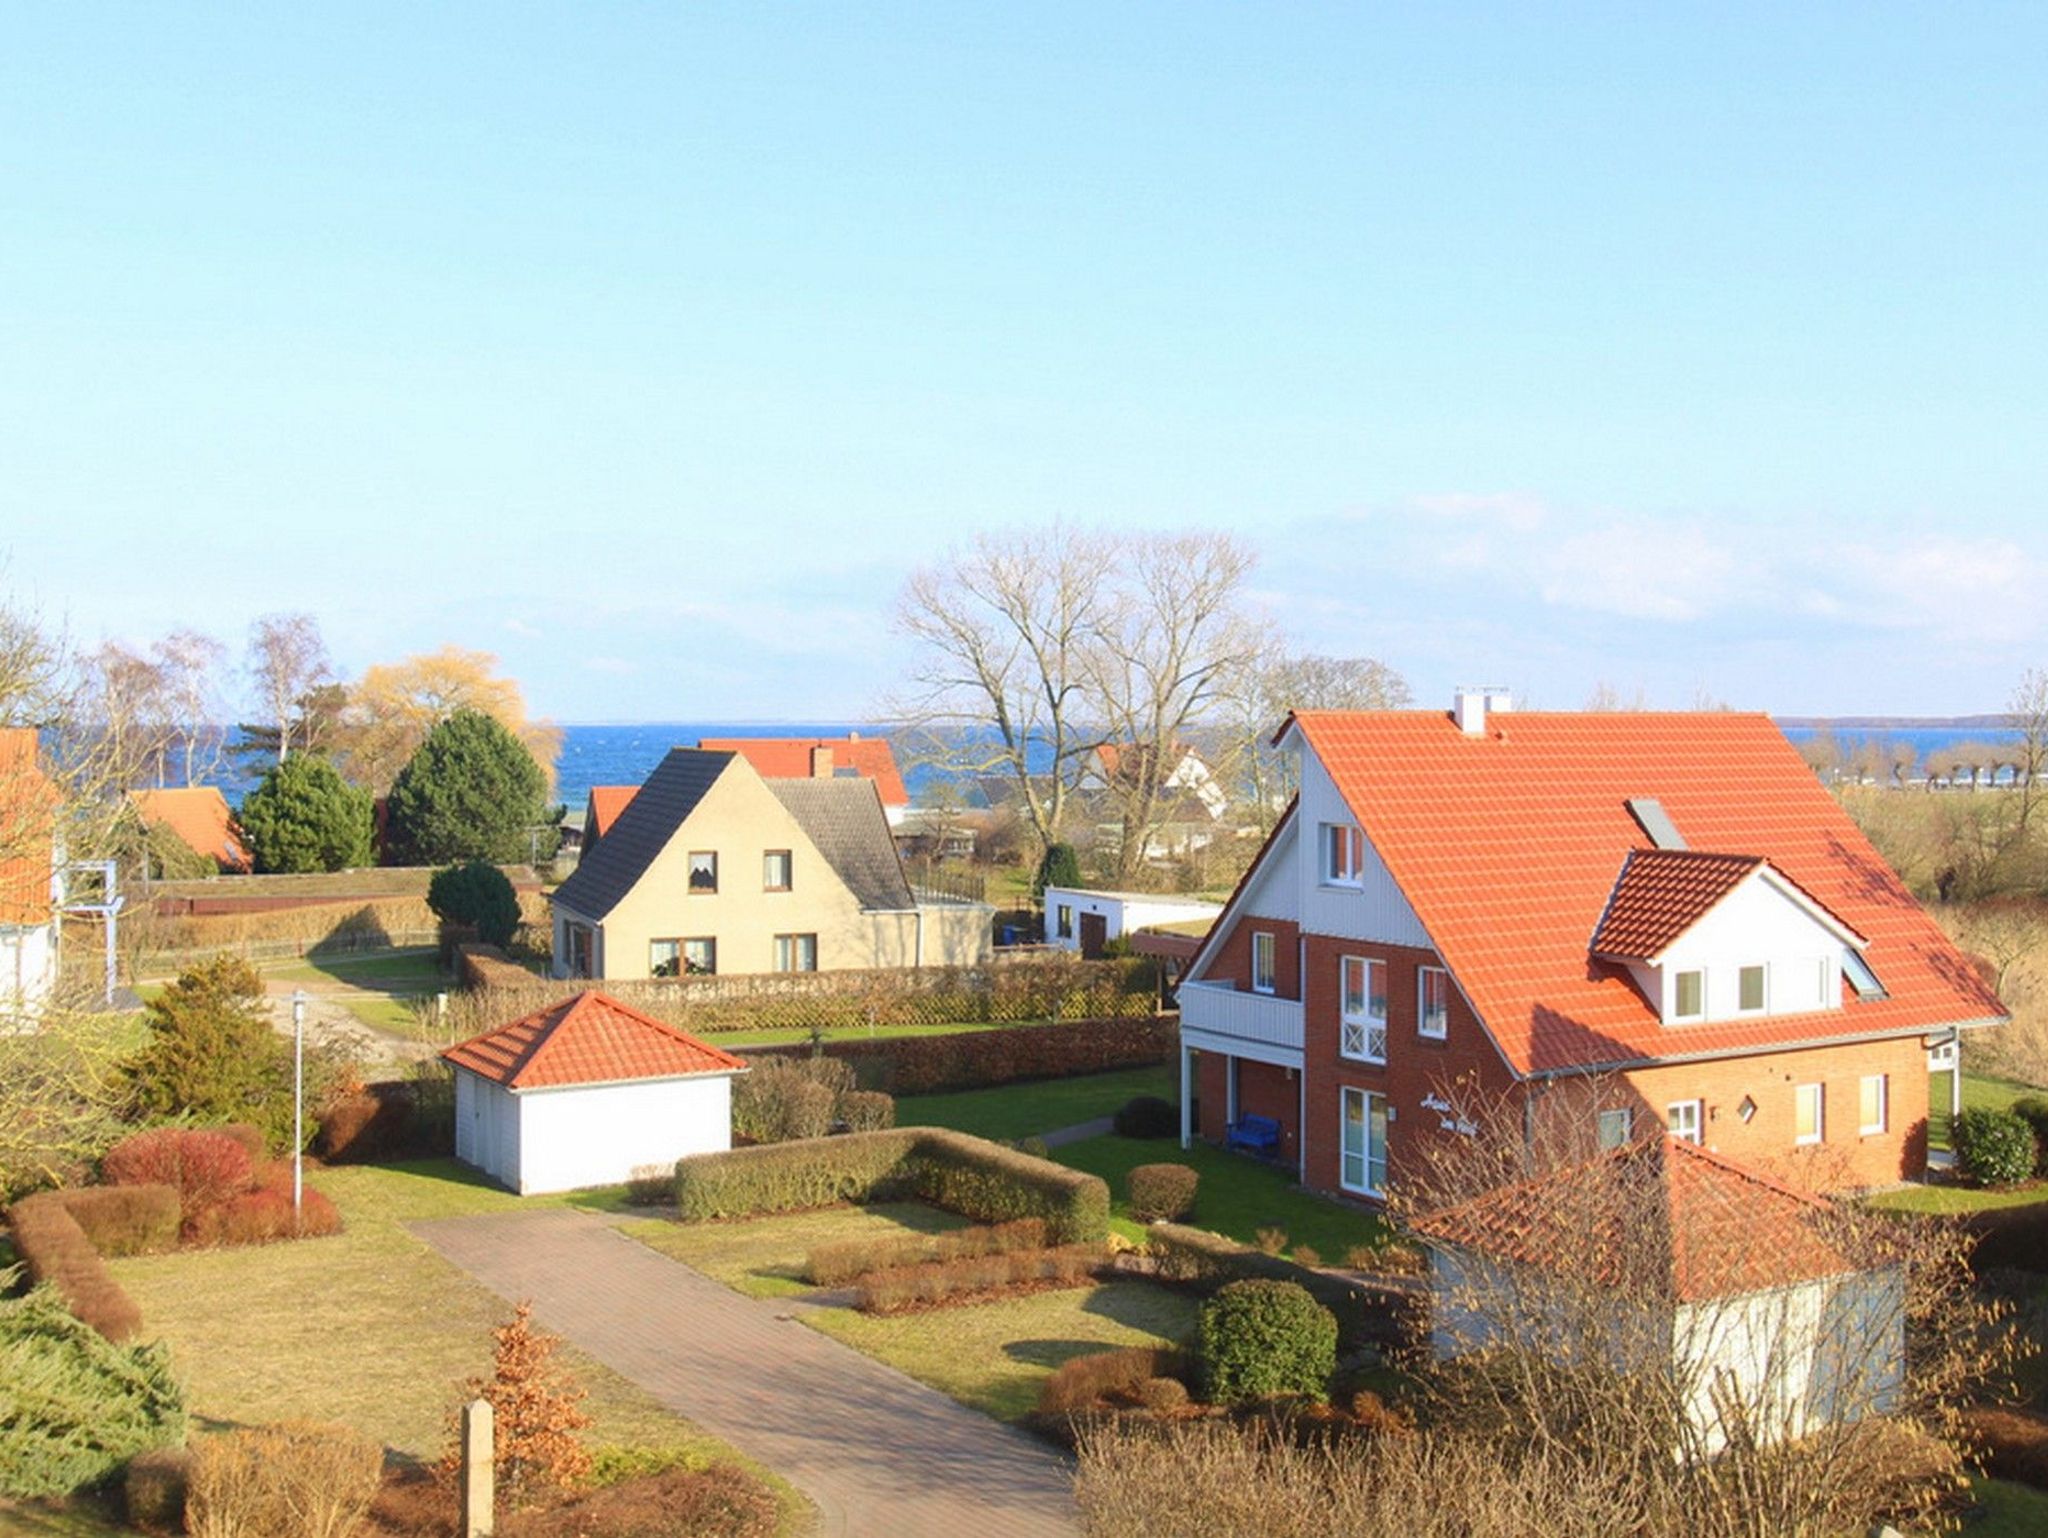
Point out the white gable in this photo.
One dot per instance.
(1373, 908)
(1762, 923)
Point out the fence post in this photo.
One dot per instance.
(479, 1475)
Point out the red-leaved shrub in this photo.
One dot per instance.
(125, 1220)
(264, 1216)
(248, 1135)
(58, 1252)
(205, 1167)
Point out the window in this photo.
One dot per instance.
(1263, 976)
(676, 958)
(1365, 1142)
(1682, 1119)
(700, 957)
(1689, 995)
(580, 950)
(1751, 995)
(1364, 1029)
(796, 953)
(1807, 1114)
(1615, 1127)
(1064, 914)
(703, 872)
(1343, 854)
(1872, 1099)
(775, 870)
(1432, 1001)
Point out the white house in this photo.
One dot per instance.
(1081, 919)
(29, 879)
(586, 1091)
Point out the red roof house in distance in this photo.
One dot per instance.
(602, 810)
(823, 758)
(586, 1091)
(1634, 921)
(199, 817)
(28, 875)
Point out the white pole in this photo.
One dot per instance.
(298, 1103)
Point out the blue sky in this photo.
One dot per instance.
(650, 346)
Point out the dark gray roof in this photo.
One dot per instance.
(611, 870)
(844, 818)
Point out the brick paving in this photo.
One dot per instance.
(879, 1453)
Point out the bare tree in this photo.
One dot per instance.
(1608, 697)
(2027, 714)
(1279, 684)
(286, 661)
(188, 668)
(1904, 759)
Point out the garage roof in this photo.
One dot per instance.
(589, 1038)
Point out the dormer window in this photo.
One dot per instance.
(1688, 995)
(1343, 854)
(1750, 990)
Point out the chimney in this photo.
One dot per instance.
(821, 763)
(1477, 701)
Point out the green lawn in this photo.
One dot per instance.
(764, 1257)
(2009, 1510)
(1979, 1089)
(1237, 1197)
(1958, 1199)
(409, 971)
(1024, 1110)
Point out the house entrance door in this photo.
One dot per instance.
(1094, 935)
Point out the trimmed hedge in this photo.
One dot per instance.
(390, 1119)
(937, 1283)
(1083, 1382)
(968, 1175)
(57, 1252)
(1162, 1191)
(1262, 1338)
(1994, 1148)
(2010, 1238)
(2033, 1110)
(125, 1220)
(847, 1260)
(2014, 1444)
(206, 1167)
(926, 1065)
(1206, 1262)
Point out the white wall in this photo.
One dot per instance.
(487, 1127)
(28, 966)
(1122, 912)
(1374, 909)
(595, 1135)
(1755, 924)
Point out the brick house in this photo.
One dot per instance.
(1633, 922)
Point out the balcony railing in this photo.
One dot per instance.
(1226, 1011)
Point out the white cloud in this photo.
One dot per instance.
(1515, 511)
(520, 627)
(1640, 570)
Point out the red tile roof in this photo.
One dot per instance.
(589, 1038)
(1508, 846)
(606, 802)
(1664, 892)
(1663, 1214)
(28, 804)
(789, 758)
(199, 815)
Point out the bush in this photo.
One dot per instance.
(780, 1099)
(934, 1284)
(1162, 1395)
(1206, 1261)
(153, 1489)
(1259, 1338)
(126, 1220)
(248, 1135)
(2033, 1110)
(57, 1252)
(928, 1065)
(720, 1501)
(1147, 1116)
(1162, 1192)
(204, 1168)
(2014, 1444)
(73, 1406)
(968, 1175)
(1082, 1382)
(478, 895)
(867, 1110)
(305, 817)
(834, 1265)
(294, 1480)
(1993, 1148)
(265, 1216)
(649, 1185)
(392, 1119)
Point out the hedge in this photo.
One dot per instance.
(968, 1175)
(125, 1220)
(1207, 1262)
(928, 1065)
(57, 1252)
(1994, 1148)
(2010, 1238)
(2013, 1443)
(390, 1119)
(1162, 1191)
(2033, 1110)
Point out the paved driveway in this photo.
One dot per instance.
(881, 1455)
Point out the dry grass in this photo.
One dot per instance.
(767, 1257)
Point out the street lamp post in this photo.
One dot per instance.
(298, 1103)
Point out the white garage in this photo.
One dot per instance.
(585, 1092)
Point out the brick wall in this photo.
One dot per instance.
(1232, 962)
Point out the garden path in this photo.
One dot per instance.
(880, 1454)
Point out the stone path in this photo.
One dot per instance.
(881, 1455)
(1102, 1126)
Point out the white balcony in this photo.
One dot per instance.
(1216, 1017)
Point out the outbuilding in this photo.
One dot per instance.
(585, 1092)
(1083, 919)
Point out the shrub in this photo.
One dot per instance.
(1994, 1148)
(1161, 1395)
(57, 1252)
(1307, 1255)
(2014, 1444)
(471, 791)
(927, 1065)
(536, 1415)
(1034, 1145)
(781, 1099)
(248, 1135)
(345, 1127)
(1082, 1382)
(298, 1479)
(1162, 1191)
(394, 1118)
(74, 1406)
(1206, 1261)
(834, 1265)
(1058, 866)
(2033, 1110)
(867, 1110)
(1259, 1338)
(125, 1220)
(153, 1489)
(1270, 1238)
(265, 1216)
(968, 1175)
(204, 1168)
(649, 1185)
(212, 1053)
(720, 1501)
(479, 895)
(1147, 1116)
(934, 1284)
(305, 817)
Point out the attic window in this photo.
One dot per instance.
(1688, 995)
(1861, 978)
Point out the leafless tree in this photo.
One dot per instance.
(2027, 714)
(188, 668)
(286, 662)
(1904, 759)
(1607, 696)
(1280, 683)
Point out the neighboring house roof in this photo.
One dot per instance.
(844, 818)
(1664, 1213)
(1507, 847)
(28, 804)
(606, 802)
(590, 1038)
(199, 816)
(1662, 893)
(605, 875)
(789, 758)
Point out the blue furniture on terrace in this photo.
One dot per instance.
(1259, 1134)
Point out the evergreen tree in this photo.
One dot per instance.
(306, 817)
(1060, 867)
(477, 894)
(471, 791)
(212, 1054)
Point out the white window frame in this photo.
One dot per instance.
(1677, 980)
(1693, 1111)
(1422, 978)
(690, 885)
(1264, 940)
(790, 949)
(1627, 1128)
(1820, 1115)
(788, 859)
(1371, 1158)
(1063, 920)
(711, 944)
(1362, 1036)
(1884, 1104)
(1763, 986)
(1343, 854)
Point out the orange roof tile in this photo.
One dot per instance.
(1664, 892)
(606, 802)
(1662, 1213)
(28, 802)
(588, 1038)
(1507, 846)
(789, 758)
(198, 815)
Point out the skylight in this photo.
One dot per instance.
(1656, 822)
(1861, 978)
